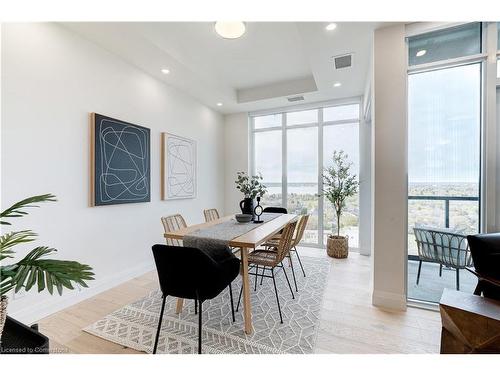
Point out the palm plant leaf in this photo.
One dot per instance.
(34, 270)
(9, 240)
(17, 209)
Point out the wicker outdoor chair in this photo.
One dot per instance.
(443, 247)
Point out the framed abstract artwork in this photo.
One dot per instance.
(178, 167)
(120, 167)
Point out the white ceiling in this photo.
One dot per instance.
(272, 61)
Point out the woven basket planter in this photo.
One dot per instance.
(337, 246)
(3, 313)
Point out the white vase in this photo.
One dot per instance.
(3, 313)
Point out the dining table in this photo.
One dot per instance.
(246, 242)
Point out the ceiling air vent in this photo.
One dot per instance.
(295, 98)
(343, 61)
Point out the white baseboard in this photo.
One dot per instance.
(38, 311)
(389, 301)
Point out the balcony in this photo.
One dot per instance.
(458, 213)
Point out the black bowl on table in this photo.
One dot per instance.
(243, 218)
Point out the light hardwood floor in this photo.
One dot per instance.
(349, 323)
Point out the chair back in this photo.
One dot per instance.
(276, 210)
(286, 241)
(171, 224)
(299, 230)
(188, 272)
(443, 246)
(211, 214)
(485, 250)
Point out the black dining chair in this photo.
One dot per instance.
(276, 210)
(190, 273)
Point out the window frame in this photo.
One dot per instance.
(320, 124)
(481, 59)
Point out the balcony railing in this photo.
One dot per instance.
(446, 200)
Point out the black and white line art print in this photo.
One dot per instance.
(121, 166)
(178, 167)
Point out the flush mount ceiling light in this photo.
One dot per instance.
(331, 26)
(230, 30)
(165, 71)
(421, 52)
(219, 104)
(337, 84)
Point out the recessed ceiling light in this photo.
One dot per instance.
(331, 26)
(165, 71)
(219, 104)
(230, 30)
(421, 52)
(337, 84)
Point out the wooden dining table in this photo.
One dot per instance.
(246, 243)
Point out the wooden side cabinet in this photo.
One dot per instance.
(470, 323)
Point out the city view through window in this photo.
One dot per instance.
(291, 164)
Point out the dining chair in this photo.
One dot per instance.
(171, 224)
(297, 237)
(191, 273)
(211, 214)
(276, 210)
(270, 259)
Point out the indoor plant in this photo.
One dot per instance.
(34, 268)
(338, 185)
(251, 187)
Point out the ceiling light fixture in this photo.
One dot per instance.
(337, 84)
(219, 104)
(230, 30)
(421, 53)
(331, 26)
(165, 71)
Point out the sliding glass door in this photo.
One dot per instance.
(291, 148)
(444, 164)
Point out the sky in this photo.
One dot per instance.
(444, 110)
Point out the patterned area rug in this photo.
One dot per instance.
(134, 325)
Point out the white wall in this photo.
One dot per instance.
(389, 175)
(52, 79)
(236, 158)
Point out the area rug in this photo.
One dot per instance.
(134, 325)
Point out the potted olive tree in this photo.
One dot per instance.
(338, 185)
(251, 187)
(33, 270)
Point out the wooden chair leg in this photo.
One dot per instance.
(458, 279)
(159, 324)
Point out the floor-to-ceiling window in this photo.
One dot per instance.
(290, 149)
(444, 158)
